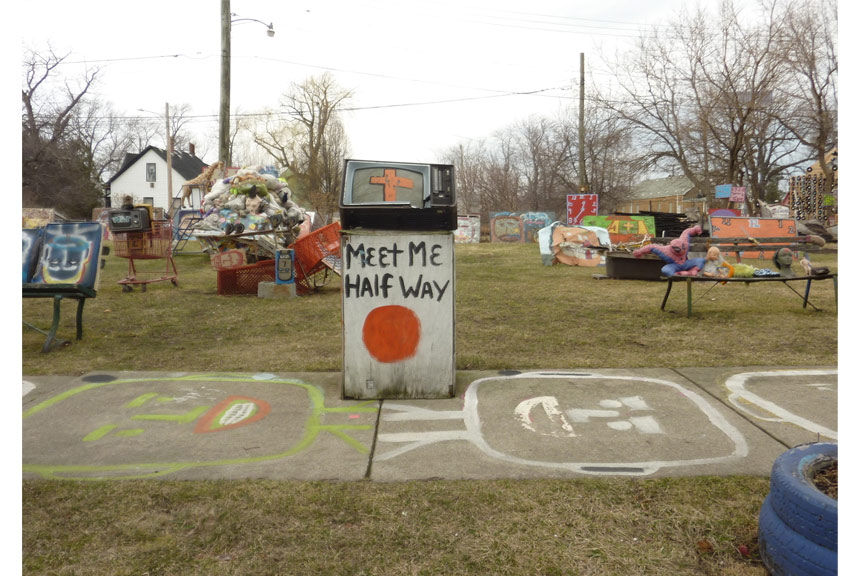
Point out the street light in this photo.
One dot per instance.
(224, 105)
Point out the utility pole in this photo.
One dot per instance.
(582, 176)
(224, 103)
(169, 144)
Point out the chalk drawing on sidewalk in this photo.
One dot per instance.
(740, 395)
(626, 414)
(561, 419)
(198, 418)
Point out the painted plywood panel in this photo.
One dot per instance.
(731, 227)
(623, 228)
(468, 229)
(398, 315)
(70, 254)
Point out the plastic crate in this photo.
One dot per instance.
(245, 279)
(317, 253)
(317, 246)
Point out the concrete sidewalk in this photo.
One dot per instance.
(553, 423)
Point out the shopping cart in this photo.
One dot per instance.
(317, 258)
(150, 244)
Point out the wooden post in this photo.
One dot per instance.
(169, 143)
(224, 97)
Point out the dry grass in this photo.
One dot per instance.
(512, 312)
(662, 527)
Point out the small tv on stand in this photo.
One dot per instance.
(398, 196)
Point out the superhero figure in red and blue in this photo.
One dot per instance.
(676, 254)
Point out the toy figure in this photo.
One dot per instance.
(782, 259)
(715, 266)
(676, 254)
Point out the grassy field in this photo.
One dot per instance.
(512, 312)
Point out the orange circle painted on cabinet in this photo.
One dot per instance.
(391, 333)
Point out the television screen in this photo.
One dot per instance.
(132, 220)
(374, 183)
(398, 195)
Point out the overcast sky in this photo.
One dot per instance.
(426, 74)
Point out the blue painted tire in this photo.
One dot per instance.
(787, 553)
(797, 501)
(798, 524)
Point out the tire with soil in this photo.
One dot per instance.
(798, 523)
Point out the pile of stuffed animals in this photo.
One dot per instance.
(675, 255)
(255, 199)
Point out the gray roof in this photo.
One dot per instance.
(661, 187)
(185, 164)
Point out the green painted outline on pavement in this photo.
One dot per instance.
(313, 427)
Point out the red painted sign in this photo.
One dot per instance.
(581, 205)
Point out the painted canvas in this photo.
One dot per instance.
(70, 254)
(623, 227)
(468, 229)
(31, 248)
(743, 227)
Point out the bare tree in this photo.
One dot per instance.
(808, 48)
(57, 169)
(469, 174)
(310, 139)
(709, 96)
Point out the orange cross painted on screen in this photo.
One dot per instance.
(390, 182)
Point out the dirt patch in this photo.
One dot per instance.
(826, 479)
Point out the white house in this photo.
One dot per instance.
(145, 177)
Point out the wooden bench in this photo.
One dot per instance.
(61, 261)
(623, 265)
(690, 280)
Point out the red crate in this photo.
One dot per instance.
(245, 279)
(317, 252)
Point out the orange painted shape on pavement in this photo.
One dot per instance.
(232, 412)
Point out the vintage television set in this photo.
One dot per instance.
(398, 196)
(129, 220)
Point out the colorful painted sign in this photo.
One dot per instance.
(730, 227)
(285, 266)
(581, 205)
(532, 223)
(468, 229)
(623, 228)
(505, 227)
(738, 194)
(398, 315)
(518, 226)
(70, 254)
(229, 259)
(723, 191)
(31, 250)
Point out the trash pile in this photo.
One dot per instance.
(573, 245)
(255, 199)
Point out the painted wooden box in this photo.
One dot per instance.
(398, 314)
